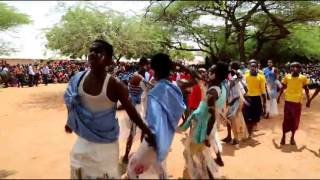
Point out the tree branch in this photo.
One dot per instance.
(164, 10)
(148, 9)
(180, 47)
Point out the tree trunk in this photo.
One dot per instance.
(241, 37)
(257, 51)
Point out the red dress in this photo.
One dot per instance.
(194, 97)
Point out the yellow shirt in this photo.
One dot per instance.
(294, 89)
(255, 84)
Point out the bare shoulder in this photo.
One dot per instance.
(115, 89)
(212, 94)
(213, 91)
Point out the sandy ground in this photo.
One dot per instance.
(33, 143)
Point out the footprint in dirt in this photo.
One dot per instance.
(6, 173)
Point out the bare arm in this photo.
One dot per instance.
(212, 96)
(281, 91)
(120, 91)
(315, 93)
(306, 90)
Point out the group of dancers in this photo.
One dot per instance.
(224, 93)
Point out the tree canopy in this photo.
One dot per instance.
(131, 37)
(10, 18)
(223, 30)
(234, 29)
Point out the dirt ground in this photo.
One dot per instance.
(33, 143)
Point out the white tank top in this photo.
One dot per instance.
(99, 102)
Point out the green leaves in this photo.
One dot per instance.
(10, 17)
(131, 37)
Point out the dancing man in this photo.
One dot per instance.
(91, 98)
(294, 83)
(256, 88)
(165, 107)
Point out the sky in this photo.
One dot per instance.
(30, 39)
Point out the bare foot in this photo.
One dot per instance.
(227, 140)
(219, 161)
(125, 160)
(283, 141)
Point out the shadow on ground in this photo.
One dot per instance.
(229, 149)
(317, 154)
(288, 148)
(47, 100)
(6, 173)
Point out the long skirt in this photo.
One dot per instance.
(253, 111)
(145, 161)
(292, 113)
(238, 126)
(199, 161)
(91, 160)
(272, 105)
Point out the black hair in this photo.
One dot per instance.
(143, 61)
(235, 65)
(162, 65)
(108, 48)
(221, 70)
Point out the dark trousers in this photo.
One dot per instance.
(45, 79)
(31, 80)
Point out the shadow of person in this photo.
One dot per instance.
(257, 135)
(317, 154)
(249, 142)
(6, 173)
(288, 148)
(229, 149)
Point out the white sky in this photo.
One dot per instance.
(29, 40)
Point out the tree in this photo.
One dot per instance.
(251, 24)
(278, 19)
(185, 18)
(181, 55)
(298, 46)
(131, 37)
(76, 30)
(10, 18)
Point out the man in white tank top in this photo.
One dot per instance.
(95, 154)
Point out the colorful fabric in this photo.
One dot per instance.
(199, 161)
(91, 160)
(292, 114)
(165, 107)
(255, 84)
(269, 75)
(253, 110)
(194, 97)
(294, 87)
(201, 115)
(100, 127)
